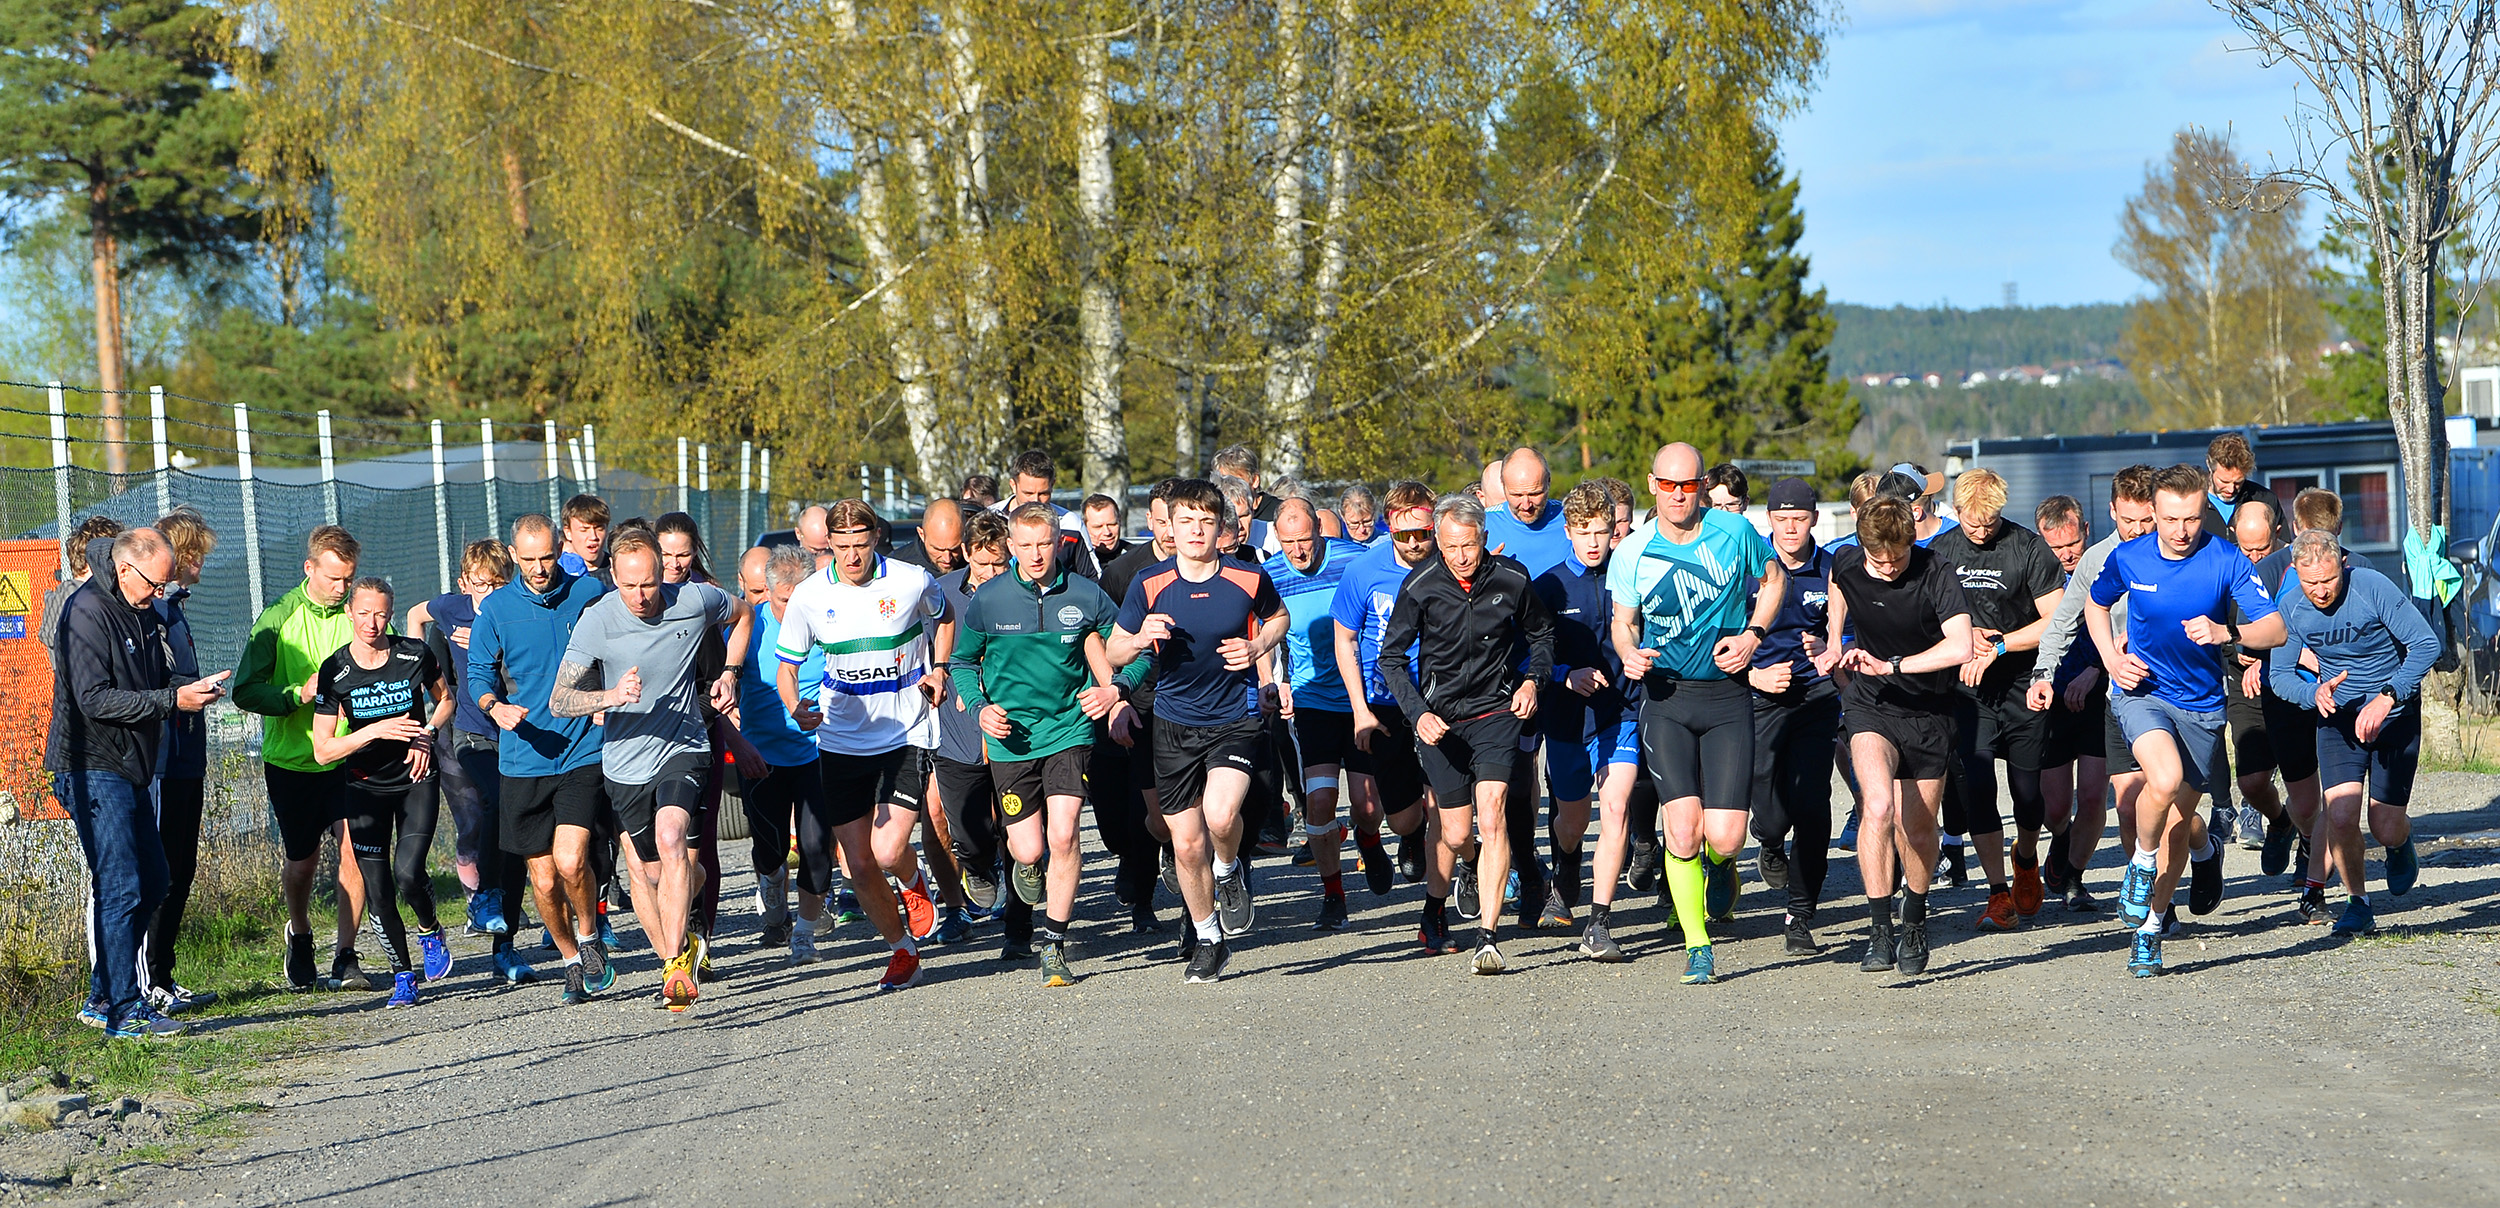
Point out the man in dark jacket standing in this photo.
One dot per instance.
(109, 705)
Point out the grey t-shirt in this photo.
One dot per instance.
(668, 720)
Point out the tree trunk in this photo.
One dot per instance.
(930, 460)
(1288, 323)
(1297, 365)
(2415, 402)
(950, 386)
(105, 256)
(515, 188)
(993, 407)
(1098, 299)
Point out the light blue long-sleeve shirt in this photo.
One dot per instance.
(2373, 636)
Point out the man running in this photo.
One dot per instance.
(2074, 775)
(2292, 727)
(586, 520)
(643, 642)
(2166, 692)
(2012, 584)
(1796, 716)
(1359, 511)
(464, 761)
(1307, 574)
(1209, 623)
(785, 798)
(1590, 718)
(1526, 526)
(1464, 616)
(959, 765)
(1030, 665)
(1681, 627)
(885, 631)
(1912, 627)
(1382, 768)
(2355, 652)
(2255, 522)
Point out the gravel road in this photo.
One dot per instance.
(2273, 1065)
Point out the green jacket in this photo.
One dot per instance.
(1023, 649)
(288, 644)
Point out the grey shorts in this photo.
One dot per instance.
(2199, 735)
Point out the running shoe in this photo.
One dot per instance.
(93, 1015)
(1848, 840)
(2357, 919)
(2312, 907)
(2278, 846)
(1488, 960)
(1772, 863)
(1433, 935)
(703, 970)
(177, 999)
(1331, 913)
(920, 911)
(1142, 920)
(902, 972)
(1999, 914)
(1013, 949)
(677, 982)
(2299, 870)
(597, 980)
(510, 967)
(1510, 888)
(346, 973)
(403, 990)
(1270, 843)
(2144, 959)
(1411, 858)
(1910, 950)
(1557, 913)
(436, 953)
(2054, 870)
(1463, 890)
(773, 935)
(802, 946)
(953, 927)
(1207, 963)
(1169, 870)
(2251, 828)
(2080, 900)
(2404, 868)
(1801, 938)
(607, 934)
(1952, 868)
(485, 913)
(301, 973)
(1055, 971)
(979, 888)
(2135, 894)
(1302, 857)
(146, 1024)
(1883, 950)
(1721, 883)
(2205, 882)
(1378, 873)
(2029, 892)
(1232, 900)
(1700, 966)
(1030, 886)
(2222, 822)
(1641, 867)
(845, 911)
(1598, 944)
(575, 992)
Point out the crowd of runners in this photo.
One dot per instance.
(915, 729)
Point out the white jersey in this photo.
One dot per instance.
(876, 639)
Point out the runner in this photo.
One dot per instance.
(464, 760)
(2074, 773)
(1796, 709)
(1729, 491)
(960, 764)
(1307, 574)
(1030, 666)
(1911, 628)
(885, 632)
(586, 520)
(1382, 773)
(2255, 521)
(1359, 511)
(372, 718)
(1526, 526)
(2166, 692)
(939, 548)
(1209, 622)
(278, 680)
(2293, 726)
(1590, 718)
(1464, 616)
(1104, 519)
(1681, 626)
(548, 766)
(1031, 475)
(2012, 585)
(785, 797)
(2356, 651)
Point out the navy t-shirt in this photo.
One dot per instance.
(1806, 607)
(1192, 685)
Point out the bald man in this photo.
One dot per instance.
(815, 536)
(2255, 524)
(940, 547)
(751, 583)
(1489, 488)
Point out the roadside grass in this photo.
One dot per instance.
(2476, 748)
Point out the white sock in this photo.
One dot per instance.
(2213, 846)
(2143, 859)
(1226, 868)
(905, 945)
(1209, 931)
(2154, 921)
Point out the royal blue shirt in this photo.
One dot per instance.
(1192, 685)
(1539, 547)
(1364, 597)
(515, 650)
(2162, 594)
(1311, 643)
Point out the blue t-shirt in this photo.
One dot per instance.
(2162, 594)
(1539, 547)
(516, 648)
(453, 612)
(1364, 597)
(1689, 596)
(1311, 643)
(766, 725)
(1192, 685)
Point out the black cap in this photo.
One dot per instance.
(1900, 486)
(1791, 495)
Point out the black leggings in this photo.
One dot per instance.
(1697, 741)
(508, 875)
(781, 798)
(1120, 817)
(1792, 790)
(394, 870)
(1971, 795)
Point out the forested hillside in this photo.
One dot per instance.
(1904, 339)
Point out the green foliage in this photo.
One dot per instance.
(1952, 341)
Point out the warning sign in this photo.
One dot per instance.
(16, 595)
(25, 675)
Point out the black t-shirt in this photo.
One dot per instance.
(363, 697)
(1899, 619)
(2002, 581)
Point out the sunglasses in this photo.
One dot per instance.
(1685, 486)
(1422, 534)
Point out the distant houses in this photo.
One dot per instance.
(2051, 375)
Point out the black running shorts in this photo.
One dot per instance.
(1997, 723)
(1023, 785)
(1185, 754)
(1322, 737)
(1391, 762)
(679, 784)
(534, 806)
(855, 785)
(2251, 750)
(1479, 750)
(1921, 734)
(2292, 732)
(306, 804)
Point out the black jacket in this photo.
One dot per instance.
(1467, 662)
(115, 689)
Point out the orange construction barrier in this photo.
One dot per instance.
(27, 570)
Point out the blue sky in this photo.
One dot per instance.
(1955, 145)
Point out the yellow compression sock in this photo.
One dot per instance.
(1690, 884)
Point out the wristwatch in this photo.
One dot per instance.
(1758, 632)
(2232, 628)
(2388, 691)
(1896, 664)
(1999, 643)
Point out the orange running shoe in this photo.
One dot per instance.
(919, 911)
(901, 973)
(1999, 916)
(678, 984)
(2028, 892)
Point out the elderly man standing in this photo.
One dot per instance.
(116, 689)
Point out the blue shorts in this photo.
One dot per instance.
(2385, 765)
(2198, 733)
(1571, 767)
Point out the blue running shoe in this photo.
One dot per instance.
(2357, 919)
(436, 954)
(2145, 960)
(1510, 888)
(2404, 868)
(486, 913)
(601, 981)
(510, 967)
(953, 928)
(1848, 840)
(846, 908)
(1700, 967)
(403, 990)
(146, 1024)
(93, 1015)
(607, 934)
(2135, 894)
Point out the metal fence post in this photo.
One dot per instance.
(764, 484)
(889, 491)
(703, 489)
(681, 473)
(60, 469)
(486, 470)
(554, 472)
(573, 450)
(442, 512)
(590, 455)
(746, 488)
(863, 482)
(329, 471)
(251, 506)
(164, 463)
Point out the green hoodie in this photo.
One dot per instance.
(288, 644)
